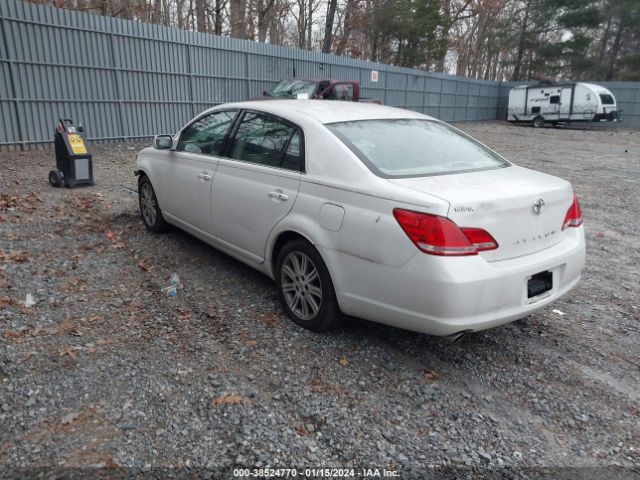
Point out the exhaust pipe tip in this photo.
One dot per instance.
(454, 337)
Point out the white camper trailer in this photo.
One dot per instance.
(561, 103)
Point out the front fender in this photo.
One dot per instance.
(144, 166)
(143, 163)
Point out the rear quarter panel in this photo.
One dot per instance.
(368, 230)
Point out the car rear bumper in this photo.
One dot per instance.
(445, 295)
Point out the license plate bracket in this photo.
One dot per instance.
(539, 283)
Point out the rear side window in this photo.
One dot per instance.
(207, 134)
(607, 99)
(267, 140)
(414, 147)
(293, 155)
(554, 99)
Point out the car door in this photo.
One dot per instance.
(257, 185)
(189, 170)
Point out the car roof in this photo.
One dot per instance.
(327, 111)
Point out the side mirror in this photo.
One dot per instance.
(163, 142)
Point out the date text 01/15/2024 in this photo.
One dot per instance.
(315, 473)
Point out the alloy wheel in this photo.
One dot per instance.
(301, 285)
(148, 204)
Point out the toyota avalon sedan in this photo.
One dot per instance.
(368, 211)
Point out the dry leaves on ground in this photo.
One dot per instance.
(75, 284)
(431, 375)
(68, 327)
(269, 318)
(13, 334)
(14, 256)
(229, 400)
(83, 203)
(145, 267)
(27, 203)
(115, 239)
(70, 352)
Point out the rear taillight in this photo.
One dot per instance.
(574, 215)
(480, 239)
(438, 235)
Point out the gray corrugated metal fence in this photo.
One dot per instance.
(628, 99)
(126, 79)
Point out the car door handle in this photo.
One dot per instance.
(204, 176)
(279, 196)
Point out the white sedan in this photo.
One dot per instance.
(369, 211)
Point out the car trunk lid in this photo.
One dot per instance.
(521, 208)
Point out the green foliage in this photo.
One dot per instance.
(413, 25)
(588, 17)
(632, 64)
(579, 39)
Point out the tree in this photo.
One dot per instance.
(490, 39)
(328, 26)
(412, 27)
(238, 10)
(201, 18)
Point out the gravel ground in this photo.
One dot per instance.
(105, 370)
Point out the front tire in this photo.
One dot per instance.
(149, 208)
(305, 287)
(538, 122)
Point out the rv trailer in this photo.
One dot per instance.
(561, 103)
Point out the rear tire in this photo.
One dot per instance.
(305, 287)
(538, 122)
(149, 208)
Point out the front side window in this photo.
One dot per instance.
(414, 147)
(607, 99)
(207, 134)
(267, 140)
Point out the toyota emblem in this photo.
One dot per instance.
(538, 206)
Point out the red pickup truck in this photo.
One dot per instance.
(303, 88)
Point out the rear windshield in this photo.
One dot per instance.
(606, 99)
(414, 148)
